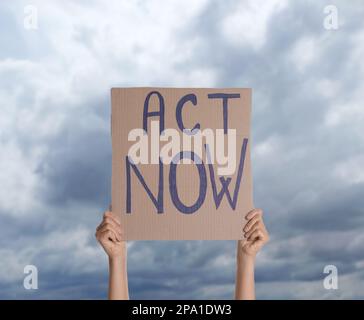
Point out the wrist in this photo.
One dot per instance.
(247, 258)
(118, 260)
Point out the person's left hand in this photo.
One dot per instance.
(255, 233)
(109, 234)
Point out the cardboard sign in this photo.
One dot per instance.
(181, 162)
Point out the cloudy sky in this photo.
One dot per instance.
(307, 128)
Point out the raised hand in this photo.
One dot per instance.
(255, 233)
(109, 234)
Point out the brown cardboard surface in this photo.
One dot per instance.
(208, 222)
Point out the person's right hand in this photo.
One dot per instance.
(109, 234)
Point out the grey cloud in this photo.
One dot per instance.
(294, 184)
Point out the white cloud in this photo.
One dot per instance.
(19, 181)
(247, 23)
(266, 148)
(328, 88)
(304, 53)
(347, 111)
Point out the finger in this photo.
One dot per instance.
(109, 227)
(107, 235)
(101, 236)
(256, 235)
(112, 226)
(251, 222)
(110, 221)
(109, 214)
(106, 213)
(255, 227)
(257, 245)
(253, 212)
(99, 226)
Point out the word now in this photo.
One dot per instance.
(218, 195)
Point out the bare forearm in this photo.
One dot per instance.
(118, 279)
(244, 285)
